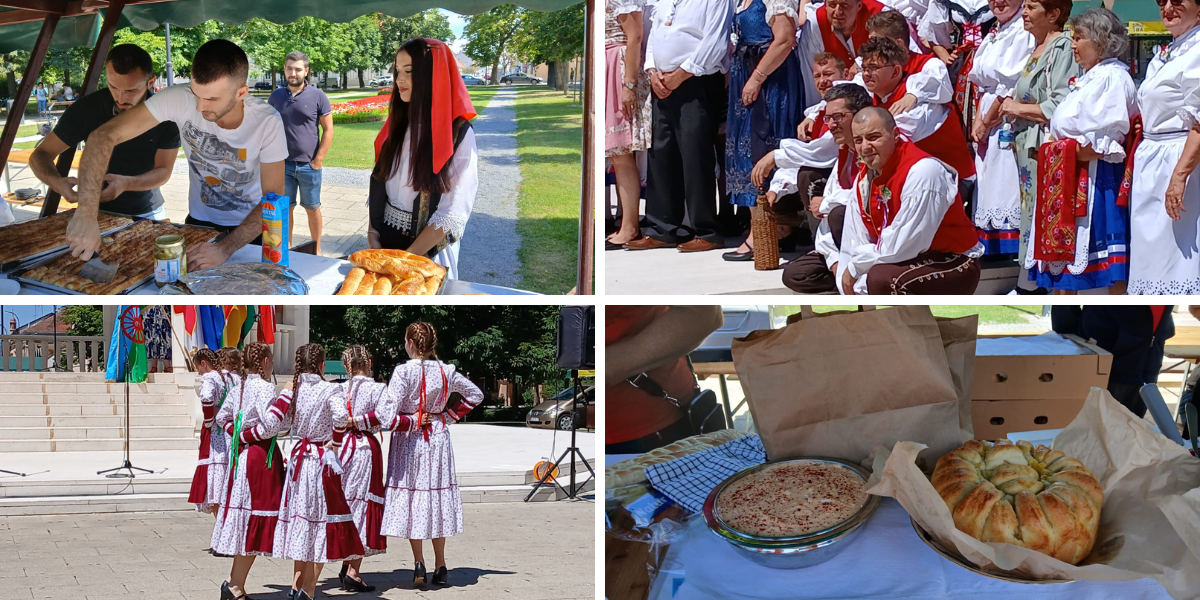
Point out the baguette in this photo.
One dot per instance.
(368, 284)
(383, 286)
(353, 280)
(378, 260)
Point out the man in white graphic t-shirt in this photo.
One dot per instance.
(235, 147)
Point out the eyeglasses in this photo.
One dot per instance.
(1175, 3)
(873, 69)
(835, 117)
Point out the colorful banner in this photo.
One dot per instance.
(266, 323)
(127, 348)
(212, 324)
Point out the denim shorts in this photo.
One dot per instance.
(301, 176)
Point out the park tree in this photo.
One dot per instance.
(489, 35)
(12, 65)
(554, 38)
(395, 31)
(366, 40)
(84, 319)
(484, 342)
(59, 65)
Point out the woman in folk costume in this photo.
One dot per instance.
(1164, 203)
(362, 464)
(248, 516)
(997, 65)
(954, 29)
(208, 483)
(426, 165)
(315, 524)
(1080, 232)
(423, 502)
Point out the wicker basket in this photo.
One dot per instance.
(766, 238)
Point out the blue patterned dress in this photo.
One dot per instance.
(752, 131)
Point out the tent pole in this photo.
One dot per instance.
(22, 98)
(90, 81)
(587, 199)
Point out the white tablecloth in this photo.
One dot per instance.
(885, 561)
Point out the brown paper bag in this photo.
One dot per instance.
(1149, 523)
(839, 385)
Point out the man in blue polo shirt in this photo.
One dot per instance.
(302, 108)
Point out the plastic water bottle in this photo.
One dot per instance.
(1007, 135)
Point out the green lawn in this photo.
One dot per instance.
(988, 314)
(550, 143)
(354, 143)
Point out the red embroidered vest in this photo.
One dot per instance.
(947, 143)
(857, 38)
(956, 233)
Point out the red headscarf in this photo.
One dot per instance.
(450, 101)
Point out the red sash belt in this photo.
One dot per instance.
(1131, 143)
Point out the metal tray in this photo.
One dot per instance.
(956, 558)
(23, 263)
(18, 274)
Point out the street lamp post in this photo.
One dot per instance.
(170, 67)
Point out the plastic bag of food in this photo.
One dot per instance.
(275, 212)
(239, 278)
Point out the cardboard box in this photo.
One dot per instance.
(1024, 393)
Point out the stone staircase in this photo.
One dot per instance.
(79, 412)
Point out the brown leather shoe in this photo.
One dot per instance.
(647, 243)
(699, 245)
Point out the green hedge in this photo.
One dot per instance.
(359, 118)
(514, 414)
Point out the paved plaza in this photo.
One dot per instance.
(541, 550)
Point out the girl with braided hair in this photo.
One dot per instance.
(248, 516)
(214, 448)
(423, 501)
(315, 523)
(362, 459)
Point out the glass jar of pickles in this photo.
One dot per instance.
(170, 259)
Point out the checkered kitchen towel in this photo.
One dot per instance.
(688, 480)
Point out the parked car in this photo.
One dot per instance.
(519, 77)
(473, 80)
(381, 81)
(264, 85)
(557, 412)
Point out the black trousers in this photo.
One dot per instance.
(683, 162)
(808, 274)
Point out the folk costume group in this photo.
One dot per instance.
(994, 129)
(332, 498)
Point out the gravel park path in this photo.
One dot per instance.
(488, 253)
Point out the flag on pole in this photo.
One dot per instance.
(192, 332)
(212, 323)
(266, 323)
(127, 348)
(247, 324)
(235, 316)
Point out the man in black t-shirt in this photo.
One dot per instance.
(137, 167)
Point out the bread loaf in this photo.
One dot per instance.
(353, 280)
(383, 286)
(1030, 496)
(368, 284)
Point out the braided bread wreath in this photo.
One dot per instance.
(1038, 498)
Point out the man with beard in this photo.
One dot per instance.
(138, 166)
(234, 144)
(302, 108)
(905, 230)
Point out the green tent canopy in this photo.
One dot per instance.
(83, 30)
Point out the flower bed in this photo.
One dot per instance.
(363, 110)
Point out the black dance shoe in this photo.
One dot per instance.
(300, 595)
(350, 584)
(735, 256)
(418, 574)
(440, 576)
(345, 569)
(227, 594)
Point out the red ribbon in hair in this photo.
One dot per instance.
(450, 101)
